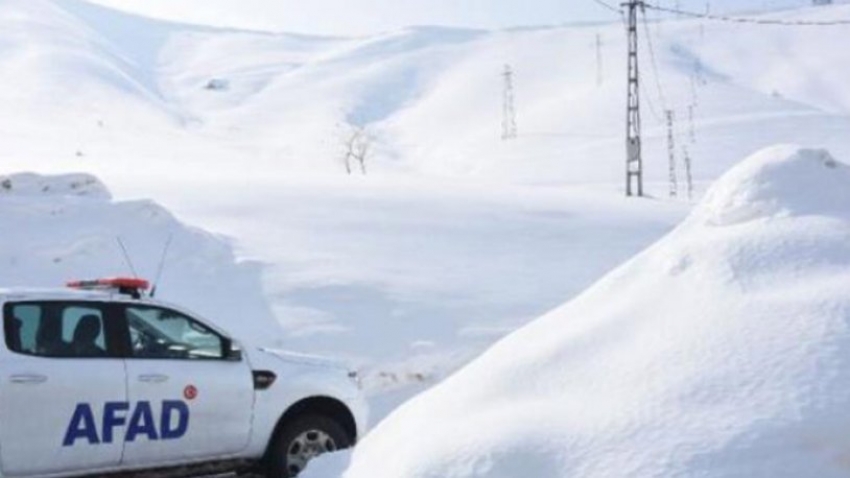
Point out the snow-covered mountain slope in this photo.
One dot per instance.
(60, 228)
(720, 351)
(57, 67)
(430, 96)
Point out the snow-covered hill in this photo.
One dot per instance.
(221, 99)
(720, 351)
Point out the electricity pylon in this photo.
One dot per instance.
(671, 151)
(509, 129)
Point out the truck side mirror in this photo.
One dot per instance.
(231, 351)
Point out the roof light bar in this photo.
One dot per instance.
(121, 283)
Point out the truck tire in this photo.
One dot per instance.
(300, 440)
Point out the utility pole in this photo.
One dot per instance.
(671, 151)
(634, 159)
(509, 129)
(688, 173)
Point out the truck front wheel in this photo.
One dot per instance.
(301, 440)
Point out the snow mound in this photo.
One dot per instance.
(66, 227)
(722, 351)
(29, 184)
(331, 464)
(780, 180)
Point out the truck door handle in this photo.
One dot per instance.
(153, 378)
(29, 378)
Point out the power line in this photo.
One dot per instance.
(608, 6)
(656, 111)
(654, 63)
(613, 9)
(650, 104)
(747, 20)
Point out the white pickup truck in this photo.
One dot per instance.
(99, 379)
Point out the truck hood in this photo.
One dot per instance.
(306, 359)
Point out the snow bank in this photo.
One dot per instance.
(722, 351)
(331, 464)
(58, 228)
(28, 184)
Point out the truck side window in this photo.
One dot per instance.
(158, 333)
(55, 329)
(21, 326)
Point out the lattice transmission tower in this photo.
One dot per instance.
(671, 152)
(600, 78)
(509, 129)
(689, 178)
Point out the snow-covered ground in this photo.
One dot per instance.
(454, 238)
(720, 351)
(410, 280)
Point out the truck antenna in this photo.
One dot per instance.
(161, 263)
(127, 257)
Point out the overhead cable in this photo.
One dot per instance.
(748, 20)
(608, 6)
(655, 72)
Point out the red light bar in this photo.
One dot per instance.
(115, 282)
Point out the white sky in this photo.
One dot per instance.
(351, 17)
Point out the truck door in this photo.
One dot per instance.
(200, 396)
(63, 390)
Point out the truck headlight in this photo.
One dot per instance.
(355, 377)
